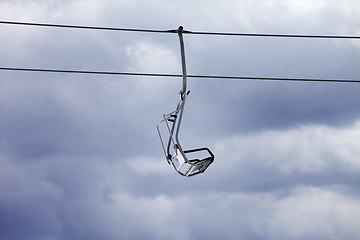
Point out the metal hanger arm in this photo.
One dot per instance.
(183, 63)
(183, 92)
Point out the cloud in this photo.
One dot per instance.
(313, 213)
(143, 165)
(151, 58)
(101, 206)
(305, 212)
(307, 149)
(272, 160)
(80, 157)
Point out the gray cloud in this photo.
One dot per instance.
(80, 157)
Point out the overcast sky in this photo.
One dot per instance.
(80, 157)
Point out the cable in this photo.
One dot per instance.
(179, 76)
(86, 27)
(90, 72)
(185, 32)
(275, 35)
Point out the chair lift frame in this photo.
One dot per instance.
(173, 151)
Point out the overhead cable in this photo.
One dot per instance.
(179, 75)
(85, 27)
(185, 31)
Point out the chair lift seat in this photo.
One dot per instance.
(175, 155)
(192, 167)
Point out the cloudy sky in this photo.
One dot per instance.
(79, 154)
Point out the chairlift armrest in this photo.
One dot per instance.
(200, 149)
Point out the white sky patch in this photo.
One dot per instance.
(152, 58)
(144, 165)
(305, 5)
(308, 149)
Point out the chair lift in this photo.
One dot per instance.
(201, 158)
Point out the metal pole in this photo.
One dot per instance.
(182, 49)
(183, 91)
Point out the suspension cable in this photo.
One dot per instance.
(179, 75)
